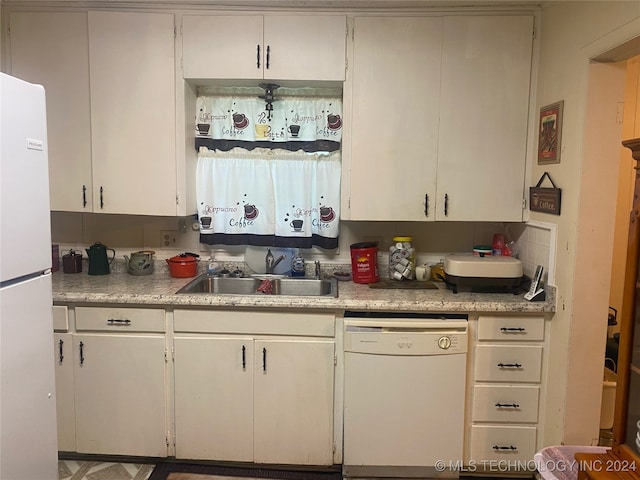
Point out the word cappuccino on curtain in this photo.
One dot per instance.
(269, 198)
(293, 119)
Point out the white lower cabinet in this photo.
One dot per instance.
(65, 409)
(251, 396)
(119, 381)
(63, 354)
(214, 398)
(506, 392)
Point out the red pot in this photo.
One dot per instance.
(183, 265)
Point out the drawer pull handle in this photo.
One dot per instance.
(118, 321)
(81, 353)
(507, 405)
(509, 365)
(244, 358)
(503, 447)
(512, 329)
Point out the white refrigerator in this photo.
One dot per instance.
(28, 438)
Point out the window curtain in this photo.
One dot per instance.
(269, 197)
(308, 119)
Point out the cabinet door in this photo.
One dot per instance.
(120, 394)
(222, 46)
(214, 398)
(293, 406)
(51, 49)
(486, 69)
(133, 114)
(305, 47)
(65, 408)
(394, 127)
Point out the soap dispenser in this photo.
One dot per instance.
(297, 265)
(212, 266)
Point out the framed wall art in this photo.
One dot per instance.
(550, 133)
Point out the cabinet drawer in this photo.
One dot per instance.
(511, 404)
(120, 319)
(505, 443)
(508, 363)
(254, 322)
(510, 328)
(60, 318)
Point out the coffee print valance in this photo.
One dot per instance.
(269, 198)
(245, 118)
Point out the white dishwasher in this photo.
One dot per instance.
(404, 394)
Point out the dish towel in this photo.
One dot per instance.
(269, 198)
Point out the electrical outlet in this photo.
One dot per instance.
(168, 238)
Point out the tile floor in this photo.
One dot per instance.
(78, 470)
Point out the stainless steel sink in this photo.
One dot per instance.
(298, 287)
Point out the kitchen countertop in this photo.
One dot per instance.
(159, 290)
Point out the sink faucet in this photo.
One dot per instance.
(271, 262)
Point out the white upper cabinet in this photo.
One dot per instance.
(278, 47)
(486, 70)
(109, 79)
(51, 49)
(395, 83)
(440, 109)
(133, 112)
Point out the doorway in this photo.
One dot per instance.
(606, 197)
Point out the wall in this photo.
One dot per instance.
(127, 233)
(571, 33)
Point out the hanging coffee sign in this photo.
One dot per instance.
(544, 200)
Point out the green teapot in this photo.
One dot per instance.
(98, 260)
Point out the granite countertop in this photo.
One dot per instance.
(159, 289)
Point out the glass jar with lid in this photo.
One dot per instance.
(402, 259)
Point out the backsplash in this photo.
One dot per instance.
(168, 236)
(536, 246)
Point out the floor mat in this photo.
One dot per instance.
(187, 471)
(81, 470)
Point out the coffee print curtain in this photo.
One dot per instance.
(307, 119)
(269, 198)
(269, 176)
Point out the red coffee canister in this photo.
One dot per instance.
(364, 262)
